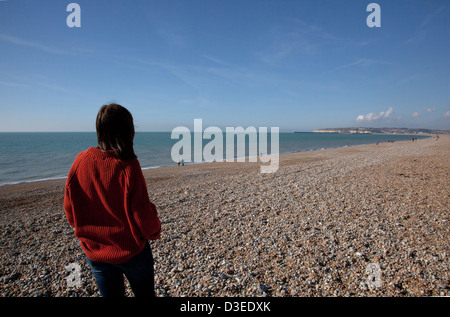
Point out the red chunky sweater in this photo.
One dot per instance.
(107, 203)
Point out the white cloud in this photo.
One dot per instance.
(416, 114)
(26, 43)
(363, 62)
(370, 117)
(431, 109)
(447, 115)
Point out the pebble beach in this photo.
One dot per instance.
(368, 220)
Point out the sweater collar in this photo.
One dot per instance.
(97, 152)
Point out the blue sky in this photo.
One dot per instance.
(297, 65)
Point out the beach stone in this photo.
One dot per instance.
(262, 288)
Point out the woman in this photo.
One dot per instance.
(107, 203)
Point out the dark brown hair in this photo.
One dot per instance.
(115, 130)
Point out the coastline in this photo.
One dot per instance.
(15, 186)
(59, 170)
(313, 228)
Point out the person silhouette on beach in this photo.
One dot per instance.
(107, 203)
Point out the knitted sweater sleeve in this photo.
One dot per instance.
(142, 211)
(67, 197)
(68, 206)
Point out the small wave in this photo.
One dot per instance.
(150, 167)
(23, 181)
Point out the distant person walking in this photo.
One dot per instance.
(107, 203)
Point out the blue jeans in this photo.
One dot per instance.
(138, 270)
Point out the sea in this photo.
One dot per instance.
(35, 156)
